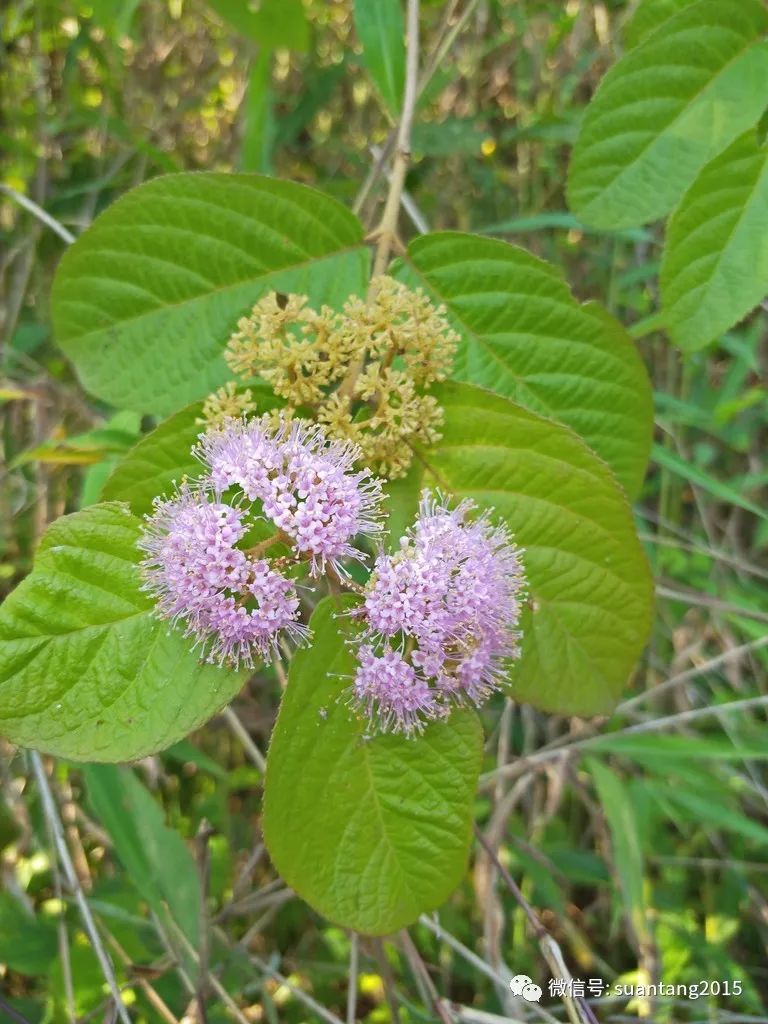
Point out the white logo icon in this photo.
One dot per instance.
(522, 985)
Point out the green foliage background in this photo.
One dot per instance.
(641, 847)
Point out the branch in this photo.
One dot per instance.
(39, 212)
(354, 951)
(62, 851)
(252, 751)
(578, 1009)
(387, 229)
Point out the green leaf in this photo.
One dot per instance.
(525, 337)
(86, 670)
(689, 471)
(158, 462)
(626, 847)
(27, 942)
(273, 23)
(370, 831)
(145, 299)
(666, 109)
(590, 589)
(646, 18)
(164, 457)
(552, 219)
(708, 809)
(258, 130)
(678, 748)
(154, 856)
(381, 30)
(715, 265)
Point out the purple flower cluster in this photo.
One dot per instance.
(307, 485)
(237, 605)
(440, 618)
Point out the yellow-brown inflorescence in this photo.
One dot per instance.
(362, 372)
(226, 404)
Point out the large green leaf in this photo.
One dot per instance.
(154, 856)
(525, 337)
(381, 31)
(145, 299)
(666, 109)
(590, 588)
(646, 18)
(86, 671)
(370, 831)
(715, 265)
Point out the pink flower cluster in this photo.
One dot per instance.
(237, 605)
(233, 605)
(307, 485)
(440, 618)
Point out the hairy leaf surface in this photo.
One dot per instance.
(526, 337)
(647, 16)
(666, 109)
(144, 301)
(370, 831)
(715, 265)
(86, 671)
(590, 589)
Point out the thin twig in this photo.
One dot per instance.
(14, 1015)
(692, 673)
(418, 219)
(446, 39)
(706, 601)
(464, 952)
(250, 748)
(37, 211)
(443, 46)
(66, 960)
(387, 978)
(49, 809)
(387, 229)
(686, 716)
(386, 233)
(701, 549)
(173, 953)
(481, 965)
(157, 1001)
(375, 172)
(300, 995)
(216, 985)
(204, 833)
(469, 1015)
(578, 1009)
(654, 725)
(420, 972)
(354, 956)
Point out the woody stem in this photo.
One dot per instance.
(386, 232)
(264, 545)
